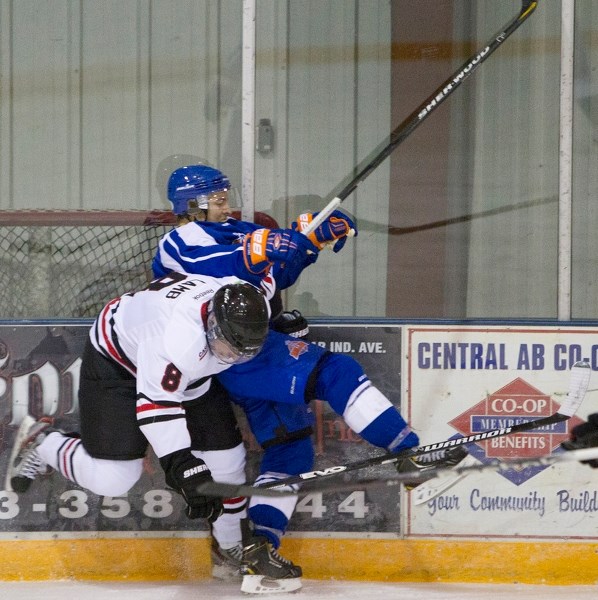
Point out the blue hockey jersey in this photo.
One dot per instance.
(216, 249)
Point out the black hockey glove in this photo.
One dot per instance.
(184, 472)
(292, 323)
(447, 458)
(583, 436)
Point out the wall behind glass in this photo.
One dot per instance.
(513, 156)
(461, 221)
(474, 195)
(324, 83)
(96, 94)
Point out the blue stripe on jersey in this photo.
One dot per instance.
(205, 256)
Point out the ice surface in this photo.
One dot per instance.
(312, 590)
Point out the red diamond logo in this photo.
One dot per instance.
(517, 402)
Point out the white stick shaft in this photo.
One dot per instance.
(578, 386)
(322, 216)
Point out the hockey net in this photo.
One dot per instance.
(68, 264)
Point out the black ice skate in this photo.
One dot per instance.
(448, 457)
(25, 464)
(265, 571)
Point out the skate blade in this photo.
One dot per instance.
(26, 424)
(260, 584)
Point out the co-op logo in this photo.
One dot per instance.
(527, 406)
(515, 403)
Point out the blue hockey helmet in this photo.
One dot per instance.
(189, 187)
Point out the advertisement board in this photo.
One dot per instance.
(463, 380)
(452, 380)
(39, 370)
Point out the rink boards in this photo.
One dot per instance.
(183, 559)
(449, 379)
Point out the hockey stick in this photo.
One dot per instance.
(579, 381)
(496, 466)
(418, 116)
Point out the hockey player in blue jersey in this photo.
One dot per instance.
(275, 388)
(209, 241)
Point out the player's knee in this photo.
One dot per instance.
(117, 477)
(338, 377)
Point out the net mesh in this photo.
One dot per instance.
(68, 264)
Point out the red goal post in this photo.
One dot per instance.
(69, 263)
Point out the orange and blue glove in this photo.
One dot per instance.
(266, 246)
(334, 230)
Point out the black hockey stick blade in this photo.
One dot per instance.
(496, 466)
(578, 385)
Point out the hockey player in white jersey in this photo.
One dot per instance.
(149, 353)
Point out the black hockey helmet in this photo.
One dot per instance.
(237, 323)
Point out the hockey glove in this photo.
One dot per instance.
(292, 323)
(445, 458)
(583, 436)
(266, 246)
(334, 230)
(184, 473)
